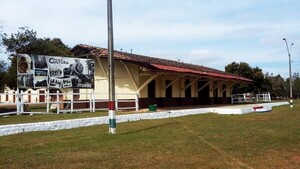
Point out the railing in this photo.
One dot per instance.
(67, 102)
(242, 98)
(249, 98)
(264, 97)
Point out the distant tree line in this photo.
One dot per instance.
(262, 83)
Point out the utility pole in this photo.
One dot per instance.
(290, 73)
(111, 72)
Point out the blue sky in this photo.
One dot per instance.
(212, 33)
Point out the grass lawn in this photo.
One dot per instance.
(256, 140)
(16, 119)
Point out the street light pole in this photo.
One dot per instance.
(290, 72)
(111, 72)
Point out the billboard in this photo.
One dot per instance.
(39, 71)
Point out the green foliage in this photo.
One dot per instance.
(260, 83)
(241, 69)
(296, 87)
(278, 86)
(19, 42)
(11, 80)
(26, 41)
(3, 67)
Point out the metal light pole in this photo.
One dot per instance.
(111, 90)
(290, 72)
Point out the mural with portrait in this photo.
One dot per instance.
(39, 71)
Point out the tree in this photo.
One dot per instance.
(26, 41)
(11, 80)
(3, 67)
(241, 69)
(296, 87)
(278, 86)
(259, 84)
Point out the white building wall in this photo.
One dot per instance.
(10, 94)
(211, 86)
(124, 85)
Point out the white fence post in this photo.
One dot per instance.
(48, 100)
(137, 102)
(116, 102)
(91, 102)
(57, 102)
(72, 99)
(94, 102)
(22, 102)
(18, 101)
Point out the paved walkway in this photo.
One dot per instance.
(226, 109)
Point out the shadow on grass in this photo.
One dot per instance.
(149, 128)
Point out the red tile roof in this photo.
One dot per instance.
(158, 63)
(199, 72)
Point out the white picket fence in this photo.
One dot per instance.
(66, 102)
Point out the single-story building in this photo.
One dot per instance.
(159, 81)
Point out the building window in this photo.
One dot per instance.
(188, 90)
(151, 89)
(169, 89)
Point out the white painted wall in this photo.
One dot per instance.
(10, 93)
(125, 86)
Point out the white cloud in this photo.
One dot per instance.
(204, 56)
(211, 33)
(141, 31)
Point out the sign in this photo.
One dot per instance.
(39, 71)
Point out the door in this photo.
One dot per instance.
(203, 95)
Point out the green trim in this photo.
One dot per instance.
(112, 123)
